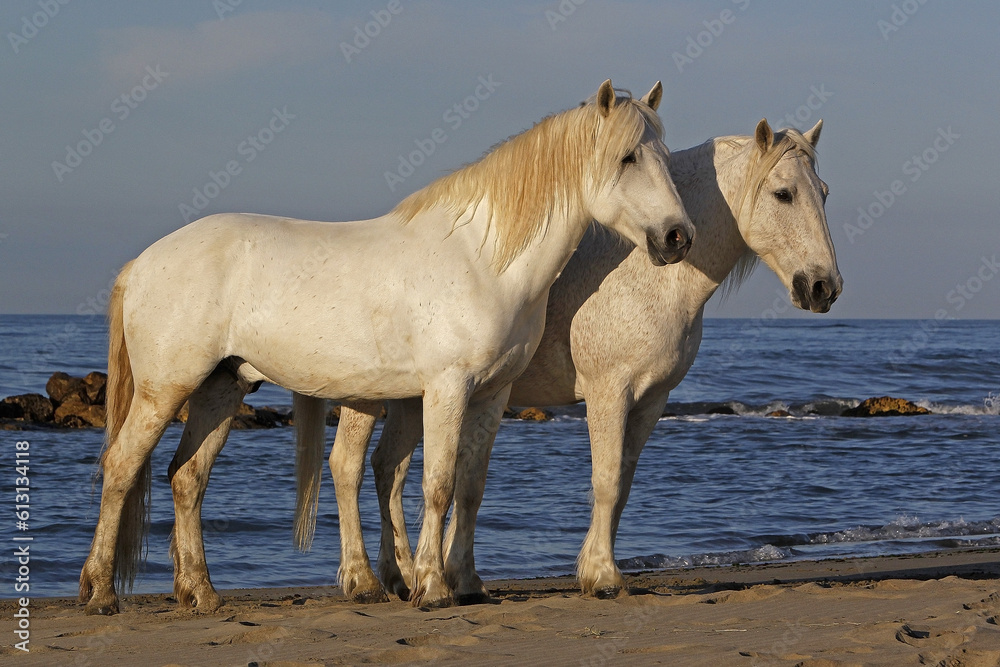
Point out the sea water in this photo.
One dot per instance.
(710, 489)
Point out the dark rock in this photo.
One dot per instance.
(247, 417)
(62, 386)
(529, 414)
(268, 418)
(722, 410)
(779, 413)
(29, 407)
(94, 385)
(885, 406)
(75, 413)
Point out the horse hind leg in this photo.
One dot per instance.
(210, 415)
(401, 434)
(347, 465)
(123, 521)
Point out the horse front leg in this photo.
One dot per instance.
(639, 426)
(444, 410)
(596, 568)
(479, 431)
(210, 416)
(401, 434)
(347, 464)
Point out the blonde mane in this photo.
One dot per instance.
(758, 167)
(530, 177)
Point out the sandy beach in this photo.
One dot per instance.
(930, 609)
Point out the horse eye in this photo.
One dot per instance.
(783, 195)
(629, 159)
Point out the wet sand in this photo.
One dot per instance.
(930, 609)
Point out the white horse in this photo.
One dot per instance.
(620, 336)
(444, 298)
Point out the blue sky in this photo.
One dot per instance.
(123, 120)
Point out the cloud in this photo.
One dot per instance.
(208, 50)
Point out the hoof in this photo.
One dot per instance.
(607, 593)
(473, 598)
(369, 597)
(208, 603)
(440, 603)
(201, 596)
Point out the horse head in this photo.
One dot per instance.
(634, 193)
(782, 217)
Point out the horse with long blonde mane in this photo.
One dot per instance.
(443, 297)
(621, 336)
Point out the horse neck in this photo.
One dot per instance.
(710, 179)
(534, 270)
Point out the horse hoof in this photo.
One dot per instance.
(370, 597)
(440, 603)
(607, 593)
(474, 598)
(208, 604)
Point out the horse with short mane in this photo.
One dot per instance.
(443, 297)
(621, 336)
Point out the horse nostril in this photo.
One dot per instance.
(675, 238)
(820, 290)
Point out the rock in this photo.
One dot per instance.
(75, 413)
(94, 385)
(250, 417)
(722, 410)
(62, 386)
(529, 414)
(269, 417)
(28, 407)
(885, 406)
(247, 417)
(779, 413)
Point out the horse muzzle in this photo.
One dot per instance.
(672, 248)
(816, 294)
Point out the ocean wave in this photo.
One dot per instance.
(945, 534)
(762, 554)
(908, 527)
(824, 407)
(989, 406)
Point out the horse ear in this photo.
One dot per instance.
(764, 136)
(605, 98)
(812, 136)
(654, 96)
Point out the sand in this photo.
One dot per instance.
(932, 609)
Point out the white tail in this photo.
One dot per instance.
(310, 436)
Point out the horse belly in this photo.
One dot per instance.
(342, 357)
